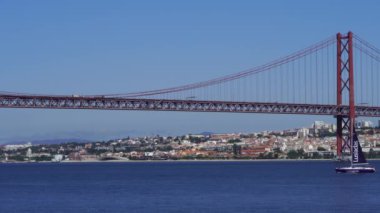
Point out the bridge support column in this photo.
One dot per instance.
(345, 91)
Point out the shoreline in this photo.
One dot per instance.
(171, 161)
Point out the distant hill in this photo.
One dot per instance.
(51, 141)
(206, 133)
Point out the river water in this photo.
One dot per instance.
(251, 186)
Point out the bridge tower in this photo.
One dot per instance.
(345, 93)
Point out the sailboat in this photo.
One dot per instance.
(358, 162)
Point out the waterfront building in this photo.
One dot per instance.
(29, 153)
(57, 158)
(17, 146)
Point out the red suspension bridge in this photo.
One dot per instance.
(318, 80)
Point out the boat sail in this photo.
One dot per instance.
(358, 162)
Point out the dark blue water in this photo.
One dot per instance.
(290, 186)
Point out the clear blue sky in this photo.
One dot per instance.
(91, 47)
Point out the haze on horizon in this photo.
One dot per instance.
(98, 47)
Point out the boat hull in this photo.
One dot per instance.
(355, 170)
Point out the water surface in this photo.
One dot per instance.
(275, 186)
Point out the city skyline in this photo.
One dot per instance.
(359, 123)
(314, 142)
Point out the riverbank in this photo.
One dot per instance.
(183, 160)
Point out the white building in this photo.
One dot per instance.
(363, 124)
(29, 153)
(321, 125)
(302, 133)
(57, 158)
(17, 146)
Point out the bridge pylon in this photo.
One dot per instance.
(345, 92)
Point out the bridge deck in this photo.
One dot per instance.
(103, 103)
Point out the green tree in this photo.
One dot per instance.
(43, 158)
(293, 154)
(236, 150)
(371, 153)
(316, 155)
(321, 148)
(300, 153)
(16, 157)
(277, 150)
(234, 140)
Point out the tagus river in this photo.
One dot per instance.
(252, 186)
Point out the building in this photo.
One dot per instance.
(303, 132)
(17, 146)
(29, 153)
(320, 125)
(363, 124)
(57, 158)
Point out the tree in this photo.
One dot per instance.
(301, 153)
(293, 154)
(43, 158)
(236, 149)
(16, 157)
(321, 148)
(269, 155)
(234, 140)
(316, 155)
(371, 153)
